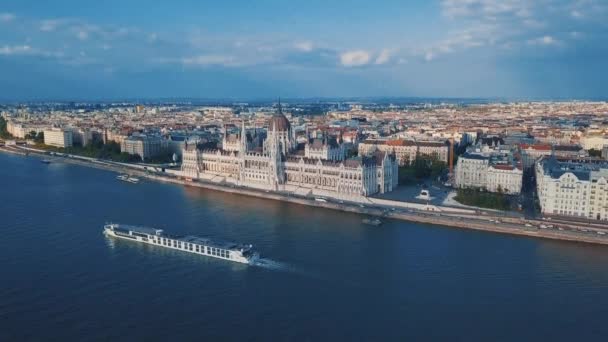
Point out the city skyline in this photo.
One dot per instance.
(443, 48)
(294, 170)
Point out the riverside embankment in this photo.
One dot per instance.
(445, 216)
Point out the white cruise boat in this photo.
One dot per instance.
(127, 178)
(192, 244)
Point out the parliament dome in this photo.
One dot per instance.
(279, 122)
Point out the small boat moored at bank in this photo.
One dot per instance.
(133, 180)
(127, 178)
(372, 221)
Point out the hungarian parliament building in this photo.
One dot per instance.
(322, 170)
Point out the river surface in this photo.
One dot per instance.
(332, 278)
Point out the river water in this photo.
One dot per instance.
(331, 277)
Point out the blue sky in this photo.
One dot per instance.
(69, 49)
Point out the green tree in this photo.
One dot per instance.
(39, 138)
(479, 198)
(31, 135)
(3, 132)
(595, 153)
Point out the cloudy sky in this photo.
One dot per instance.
(81, 49)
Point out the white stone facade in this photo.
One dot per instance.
(144, 146)
(596, 142)
(20, 130)
(483, 171)
(58, 137)
(324, 149)
(577, 189)
(406, 151)
(275, 171)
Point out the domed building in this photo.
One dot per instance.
(322, 171)
(279, 122)
(280, 126)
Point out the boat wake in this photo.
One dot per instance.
(283, 267)
(272, 265)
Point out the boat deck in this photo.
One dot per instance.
(138, 229)
(188, 238)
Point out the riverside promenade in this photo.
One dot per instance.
(482, 220)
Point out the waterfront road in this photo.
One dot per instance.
(551, 228)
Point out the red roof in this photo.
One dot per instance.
(503, 167)
(400, 143)
(538, 147)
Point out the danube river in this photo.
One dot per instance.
(333, 278)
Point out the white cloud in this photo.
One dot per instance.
(8, 50)
(515, 23)
(50, 25)
(457, 41)
(486, 8)
(383, 57)
(544, 40)
(533, 23)
(205, 60)
(306, 46)
(355, 58)
(6, 17)
(548, 40)
(576, 14)
(496, 25)
(83, 30)
(576, 34)
(82, 34)
(27, 50)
